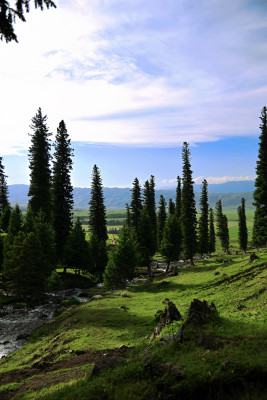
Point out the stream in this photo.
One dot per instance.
(16, 325)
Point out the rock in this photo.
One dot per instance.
(200, 313)
(169, 315)
(217, 273)
(96, 297)
(179, 334)
(125, 294)
(22, 337)
(6, 342)
(124, 308)
(123, 347)
(252, 258)
(166, 338)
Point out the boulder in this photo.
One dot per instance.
(169, 315)
(200, 313)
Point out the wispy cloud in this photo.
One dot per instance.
(147, 72)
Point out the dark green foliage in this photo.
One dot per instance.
(46, 235)
(171, 243)
(145, 238)
(29, 221)
(162, 216)
(188, 210)
(4, 203)
(4, 218)
(123, 260)
(222, 226)
(242, 225)
(1, 252)
(24, 265)
(212, 236)
(97, 209)
(62, 190)
(99, 256)
(15, 221)
(178, 200)
(3, 188)
(77, 253)
(149, 203)
(40, 175)
(8, 15)
(54, 282)
(260, 192)
(136, 203)
(128, 215)
(171, 207)
(203, 223)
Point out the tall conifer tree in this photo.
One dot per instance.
(62, 190)
(171, 207)
(97, 209)
(171, 241)
(203, 223)
(149, 203)
(3, 188)
(222, 226)
(178, 200)
(40, 173)
(162, 216)
(212, 236)
(188, 211)
(242, 225)
(136, 203)
(4, 203)
(260, 192)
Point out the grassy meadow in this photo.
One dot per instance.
(223, 359)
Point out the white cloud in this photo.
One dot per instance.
(104, 58)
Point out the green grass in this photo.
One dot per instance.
(236, 288)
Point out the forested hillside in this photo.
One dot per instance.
(118, 197)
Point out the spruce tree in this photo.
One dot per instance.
(97, 209)
(171, 207)
(171, 243)
(145, 238)
(24, 265)
(5, 208)
(3, 188)
(242, 225)
(123, 260)
(62, 190)
(128, 215)
(178, 200)
(15, 221)
(76, 251)
(136, 203)
(203, 223)
(40, 174)
(222, 226)
(188, 210)
(260, 192)
(212, 236)
(149, 203)
(162, 216)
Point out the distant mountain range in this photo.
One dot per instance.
(230, 193)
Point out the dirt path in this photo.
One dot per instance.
(45, 374)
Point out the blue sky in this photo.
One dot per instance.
(133, 79)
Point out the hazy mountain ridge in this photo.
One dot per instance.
(117, 197)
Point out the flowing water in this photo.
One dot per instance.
(16, 325)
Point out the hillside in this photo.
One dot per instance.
(117, 197)
(69, 357)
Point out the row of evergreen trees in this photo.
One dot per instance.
(48, 229)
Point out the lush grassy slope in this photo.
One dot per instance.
(229, 354)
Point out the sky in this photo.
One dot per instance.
(133, 80)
